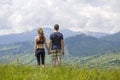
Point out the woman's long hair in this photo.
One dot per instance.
(40, 31)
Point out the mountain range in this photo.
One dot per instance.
(83, 45)
(80, 47)
(77, 43)
(30, 35)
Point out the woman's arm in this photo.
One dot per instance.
(35, 46)
(46, 45)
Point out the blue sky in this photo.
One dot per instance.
(17, 16)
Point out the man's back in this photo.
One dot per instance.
(56, 38)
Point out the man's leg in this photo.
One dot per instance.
(54, 58)
(59, 60)
(54, 62)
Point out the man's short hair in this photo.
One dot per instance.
(56, 26)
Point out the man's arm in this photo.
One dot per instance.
(62, 45)
(50, 44)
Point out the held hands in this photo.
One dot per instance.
(48, 52)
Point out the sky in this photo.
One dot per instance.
(18, 16)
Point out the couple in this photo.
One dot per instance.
(55, 48)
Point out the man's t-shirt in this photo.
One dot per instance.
(56, 38)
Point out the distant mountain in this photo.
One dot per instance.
(83, 45)
(95, 34)
(67, 33)
(13, 38)
(113, 37)
(30, 35)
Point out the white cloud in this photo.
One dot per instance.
(97, 15)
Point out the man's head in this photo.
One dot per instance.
(56, 27)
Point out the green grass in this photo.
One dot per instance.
(20, 72)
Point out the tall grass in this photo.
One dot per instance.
(20, 72)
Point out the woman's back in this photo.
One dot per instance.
(39, 42)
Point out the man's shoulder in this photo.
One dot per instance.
(52, 34)
(60, 33)
(56, 33)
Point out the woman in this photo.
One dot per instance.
(39, 50)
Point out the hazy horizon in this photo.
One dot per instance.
(83, 32)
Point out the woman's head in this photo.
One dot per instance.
(40, 33)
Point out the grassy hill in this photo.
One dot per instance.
(107, 60)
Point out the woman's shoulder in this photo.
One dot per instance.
(36, 37)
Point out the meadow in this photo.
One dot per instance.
(22, 72)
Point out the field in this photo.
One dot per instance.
(17, 65)
(20, 72)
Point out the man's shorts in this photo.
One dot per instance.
(56, 53)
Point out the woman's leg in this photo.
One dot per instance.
(38, 58)
(43, 57)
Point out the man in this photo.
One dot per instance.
(56, 45)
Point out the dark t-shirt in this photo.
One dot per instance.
(56, 38)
